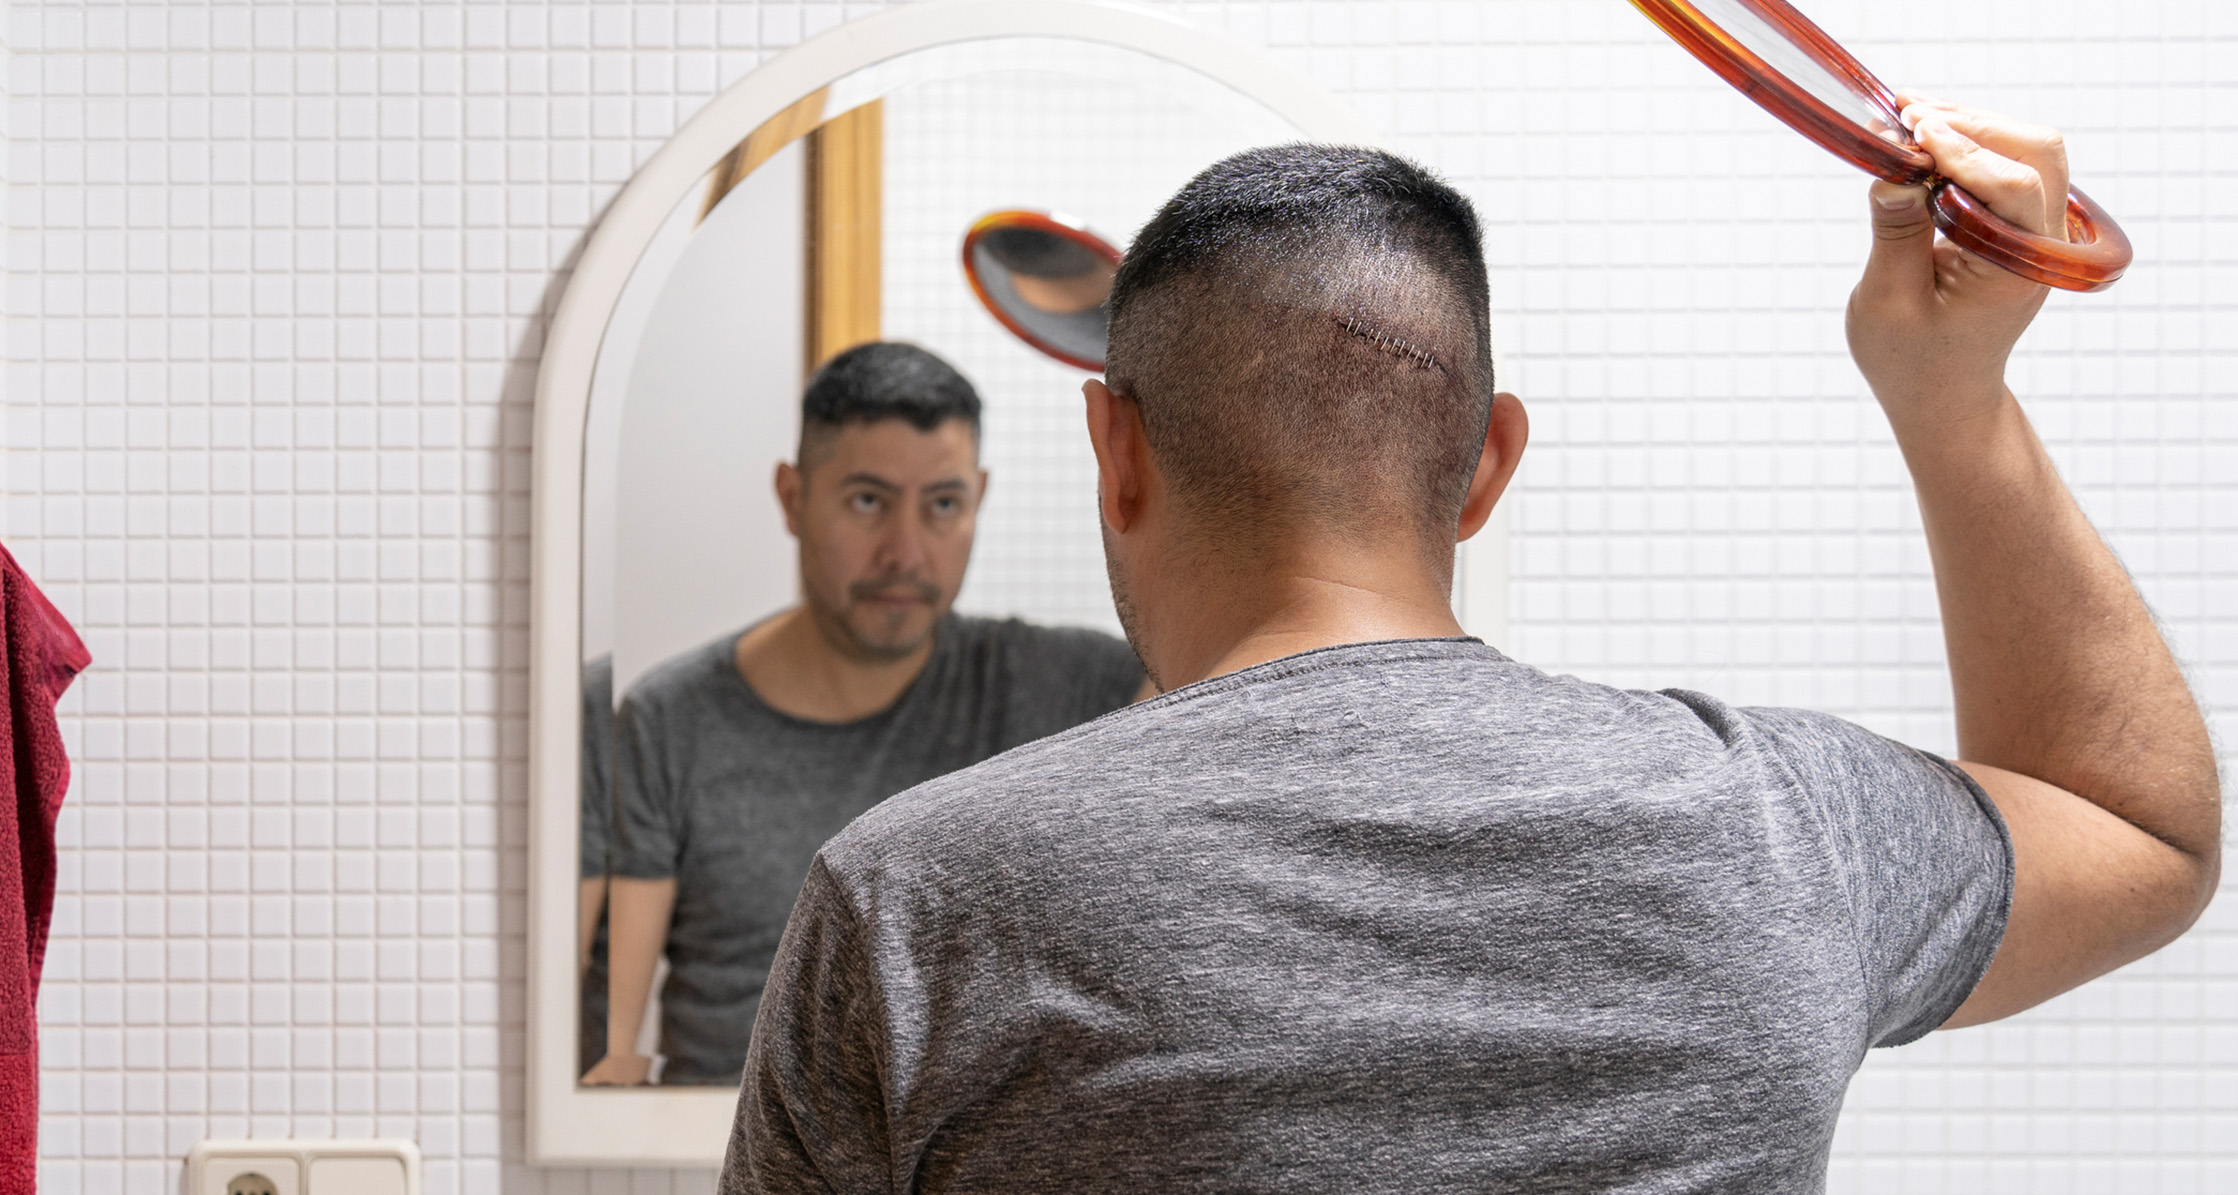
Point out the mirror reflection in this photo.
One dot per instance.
(840, 533)
(1046, 279)
(1745, 25)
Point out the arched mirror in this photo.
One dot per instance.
(820, 204)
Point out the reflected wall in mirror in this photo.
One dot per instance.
(789, 616)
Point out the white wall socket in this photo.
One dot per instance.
(276, 1167)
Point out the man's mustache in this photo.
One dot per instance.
(883, 587)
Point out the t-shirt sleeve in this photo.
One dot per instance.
(648, 831)
(1061, 677)
(598, 756)
(812, 1111)
(1924, 855)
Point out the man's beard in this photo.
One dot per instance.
(1123, 601)
(840, 626)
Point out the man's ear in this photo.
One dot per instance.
(1504, 438)
(1122, 454)
(788, 484)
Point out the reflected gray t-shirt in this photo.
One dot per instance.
(1390, 917)
(732, 798)
(598, 761)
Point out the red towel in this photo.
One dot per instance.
(41, 656)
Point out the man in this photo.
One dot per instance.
(1361, 905)
(735, 761)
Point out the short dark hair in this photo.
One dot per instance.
(884, 380)
(1306, 330)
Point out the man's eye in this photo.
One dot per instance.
(864, 503)
(947, 505)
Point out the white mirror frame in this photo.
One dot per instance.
(690, 1127)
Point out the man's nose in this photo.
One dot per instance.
(902, 548)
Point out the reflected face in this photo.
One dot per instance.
(885, 515)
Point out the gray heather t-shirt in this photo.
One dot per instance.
(598, 760)
(1391, 917)
(732, 798)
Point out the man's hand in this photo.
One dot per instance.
(619, 1070)
(1931, 325)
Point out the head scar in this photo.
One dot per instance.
(1397, 346)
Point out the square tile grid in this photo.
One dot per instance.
(276, 278)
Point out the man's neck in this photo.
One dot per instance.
(1251, 609)
(793, 666)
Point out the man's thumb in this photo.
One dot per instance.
(1903, 235)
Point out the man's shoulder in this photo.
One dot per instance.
(598, 689)
(994, 802)
(1013, 631)
(1035, 641)
(686, 677)
(1455, 735)
(1457, 699)
(1159, 745)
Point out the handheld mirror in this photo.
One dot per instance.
(1792, 69)
(1047, 279)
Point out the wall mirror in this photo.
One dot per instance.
(821, 202)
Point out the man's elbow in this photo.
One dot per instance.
(2206, 841)
(2194, 873)
(2205, 882)
(2186, 804)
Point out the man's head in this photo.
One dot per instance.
(884, 496)
(1306, 331)
(1300, 340)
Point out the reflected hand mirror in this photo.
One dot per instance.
(1777, 57)
(1045, 278)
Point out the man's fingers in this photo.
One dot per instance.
(2016, 139)
(2035, 145)
(1903, 258)
(2010, 188)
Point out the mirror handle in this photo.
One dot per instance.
(2092, 258)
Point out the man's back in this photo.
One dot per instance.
(1396, 916)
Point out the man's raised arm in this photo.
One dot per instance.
(2072, 714)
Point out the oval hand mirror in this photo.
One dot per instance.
(1791, 68)
(1047, 279)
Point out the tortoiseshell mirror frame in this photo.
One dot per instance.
(2094, 253)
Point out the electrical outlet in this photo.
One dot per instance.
(303, 1168)
(259, 1173)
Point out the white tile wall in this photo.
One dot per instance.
(275, 282)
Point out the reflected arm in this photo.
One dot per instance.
(636, 935)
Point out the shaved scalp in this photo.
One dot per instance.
(1307, 332)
